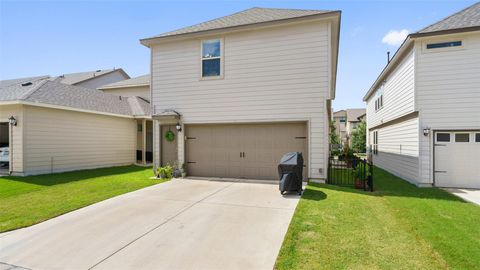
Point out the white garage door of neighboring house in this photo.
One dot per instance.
(457, 156)
(249, 151)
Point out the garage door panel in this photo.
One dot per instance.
(456, 163)
(243, 150)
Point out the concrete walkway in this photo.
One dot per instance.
(470, 195)
(181, 224)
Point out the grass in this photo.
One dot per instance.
(399, 226)
(25, 201)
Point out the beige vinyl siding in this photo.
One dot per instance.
(447, 90)
(17, 139)
(274, 74)
(398, 94)
(102, 80)
(60, 140)
(139, 91)
(398, 149)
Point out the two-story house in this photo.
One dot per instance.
(346, 121)
(242, 90)
(423, 111)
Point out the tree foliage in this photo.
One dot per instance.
(359, 138)
(334, 139)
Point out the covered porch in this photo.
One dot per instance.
(144, 150)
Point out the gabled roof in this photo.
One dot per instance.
(250, 16)
(47, 92)
(75, 78)
(354, 114)
(143, 80)
(466, 18)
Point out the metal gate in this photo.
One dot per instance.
(350, 171)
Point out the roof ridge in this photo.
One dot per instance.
(33, 90)
(447, 17)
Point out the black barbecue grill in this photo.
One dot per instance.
(290, 172)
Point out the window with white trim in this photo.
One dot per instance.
(477, 137)
(375, 143)
(462, 137)
(443, 137)
(211, 58)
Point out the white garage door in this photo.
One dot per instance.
(242, 150)
(457, 156)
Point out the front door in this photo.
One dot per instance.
(168, 146)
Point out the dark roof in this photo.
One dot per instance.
(60, 94)
(353, 114)
(246, 17)
(468, 17)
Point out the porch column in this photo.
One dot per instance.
(144, 141)
(156, 144)
(181, 145)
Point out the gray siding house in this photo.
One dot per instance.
(423, 111)
(246, 89)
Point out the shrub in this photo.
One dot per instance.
(165, 172)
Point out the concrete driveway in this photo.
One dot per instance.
(181, 224)
(470, 195)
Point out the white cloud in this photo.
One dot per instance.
(395, 37)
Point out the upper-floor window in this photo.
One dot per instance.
(343, 119)
(379, 102)
(211, 58)
(444, 44)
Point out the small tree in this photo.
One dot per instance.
(359, 138)
(334, 139)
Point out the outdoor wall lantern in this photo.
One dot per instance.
(426, 131)
(12, 121)
(178, 127)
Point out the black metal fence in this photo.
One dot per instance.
(350, 171)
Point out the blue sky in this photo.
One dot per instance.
(56, 37)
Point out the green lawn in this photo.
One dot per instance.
(25, 201)
(399, 226)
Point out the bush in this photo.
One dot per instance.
(165, 172)
(360, 168)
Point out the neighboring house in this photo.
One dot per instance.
(363, 117)
(61, 127)
(246, 89)
(423, 111)
(340, 121)
(93, 79)
(139, 87)
(346, 121)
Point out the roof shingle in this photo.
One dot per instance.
(468, 17)
(246, 17)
